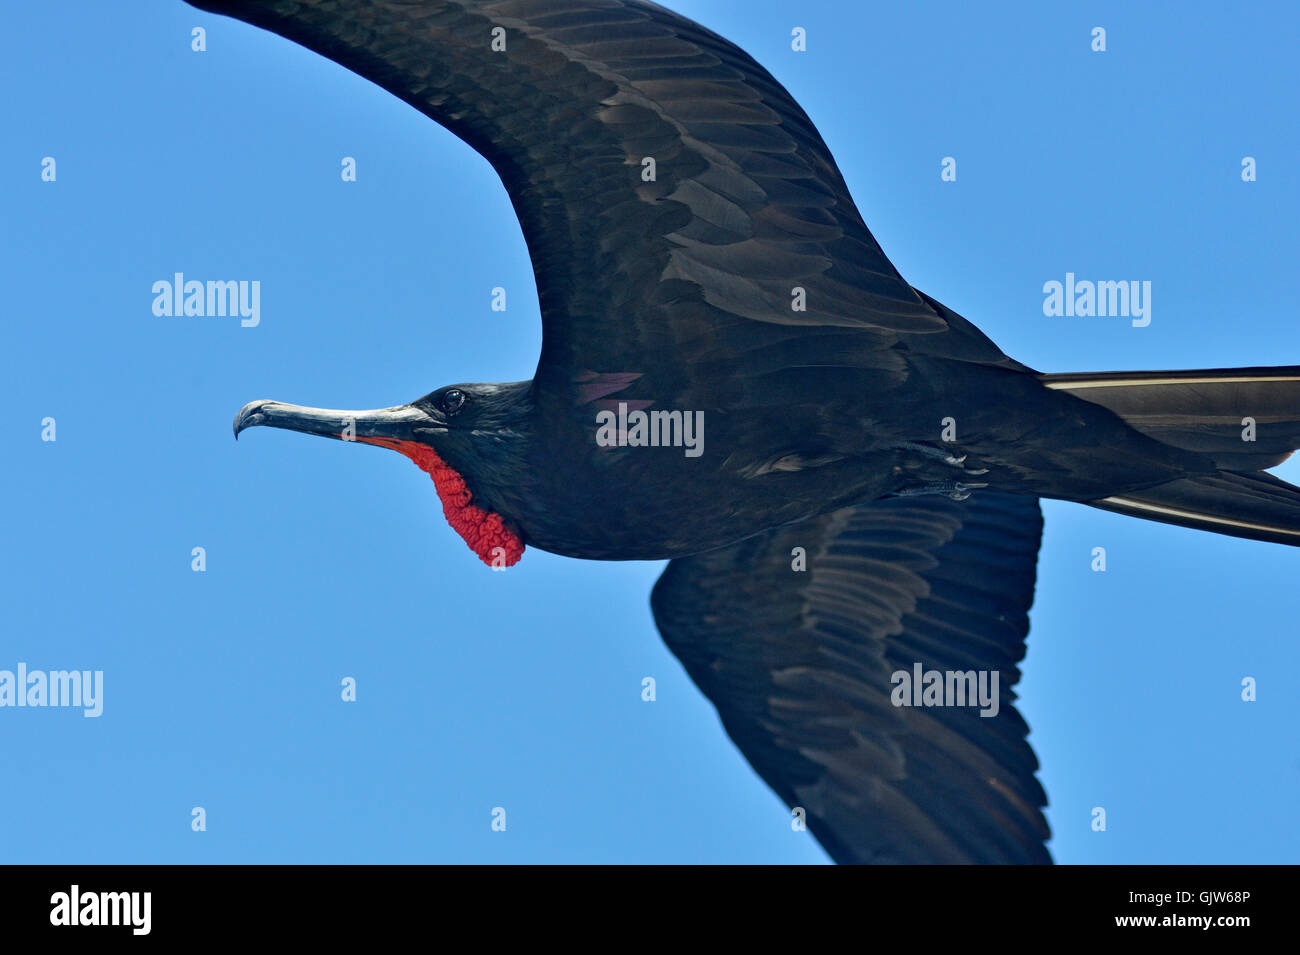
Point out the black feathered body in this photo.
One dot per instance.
(697, 251)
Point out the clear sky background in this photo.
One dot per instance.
(522, 689)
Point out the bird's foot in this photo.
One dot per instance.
(947, 457)
(954, 490)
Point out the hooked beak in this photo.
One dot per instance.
(388, 424)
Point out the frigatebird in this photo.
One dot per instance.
(843, 472)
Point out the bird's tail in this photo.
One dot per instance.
(1242, 419)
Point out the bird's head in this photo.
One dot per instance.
(464, 436)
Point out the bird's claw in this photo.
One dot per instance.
(955, 490)
(947, 457)
(961, 489)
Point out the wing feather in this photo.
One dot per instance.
(798, 665)
(636, 272)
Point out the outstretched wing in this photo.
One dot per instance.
(683, 215)
(799, 665)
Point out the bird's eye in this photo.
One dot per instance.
(452, 401)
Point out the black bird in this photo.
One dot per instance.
(850, 490)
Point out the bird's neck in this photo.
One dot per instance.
(484, 496)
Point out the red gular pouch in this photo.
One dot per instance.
(482, 530)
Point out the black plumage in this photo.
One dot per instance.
(696, 250)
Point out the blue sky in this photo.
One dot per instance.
(522, 689)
